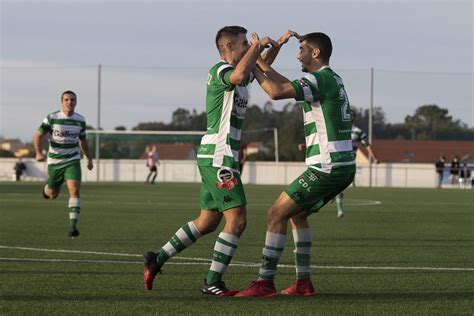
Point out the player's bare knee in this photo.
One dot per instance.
(239, 226)
(275, 215)
(207, 230)
(206, 227)
(300, 220)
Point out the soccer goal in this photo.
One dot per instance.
(131, 147)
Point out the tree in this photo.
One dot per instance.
(430, 122)
(181, 119)
(150, 126)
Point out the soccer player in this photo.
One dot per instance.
(357, 136)
(329, 156)
(67, 137)
(222, 194)
(151, 162)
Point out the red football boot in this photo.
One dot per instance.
(151, 269)
(262, 288)
(302, 287)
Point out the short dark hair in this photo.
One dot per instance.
(321, 41)
(233, 30)
(68, 92)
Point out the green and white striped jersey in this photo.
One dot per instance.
(225, 107)
(64, 134)
(359, 136)
(327, 121)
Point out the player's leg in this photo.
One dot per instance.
(148, 177)
(285, 207)
(227, 243)
(278, 215)
(308, 193)
(340, 204)
(325, 188)
(188, 234)
(184, 237)
(227, 194)
(155, 172)
(72, 174)
(54, 182)
(302, 238)
(74, 206)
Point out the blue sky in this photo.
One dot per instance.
(155, 54)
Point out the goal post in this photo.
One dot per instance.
(120, 144)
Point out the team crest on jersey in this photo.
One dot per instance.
(225, 179)
(303, 83)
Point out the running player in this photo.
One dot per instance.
(67, 137)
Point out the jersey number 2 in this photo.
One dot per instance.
(345, 110)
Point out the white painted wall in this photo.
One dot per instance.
(261, 172)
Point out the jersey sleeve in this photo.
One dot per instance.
(307, 88)
(223, 75)
(45, 126)
(364, 140)
(82, 133)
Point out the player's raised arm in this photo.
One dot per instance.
(270, 55)
(247, 63)
(275, 85)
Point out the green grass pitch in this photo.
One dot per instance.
(396, 252)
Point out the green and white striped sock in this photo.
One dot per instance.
(74, 207)
(224, 250)
(302, 238)
(271, 254)
(182, 239)
(339, 200)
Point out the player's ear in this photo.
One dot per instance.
(316, 53)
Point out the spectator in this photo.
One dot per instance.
(151, 162)
(455, 166)
(465, 176)
(440, 169)
(19, 168)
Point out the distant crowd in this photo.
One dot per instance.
(460, 175)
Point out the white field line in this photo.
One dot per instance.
(347, 202)
(94, 253)
(207, 261)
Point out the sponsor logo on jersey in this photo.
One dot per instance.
(313, 177)
(345, 131)
(225, 179)
(58, 133)
(239, 102)
(304, 184)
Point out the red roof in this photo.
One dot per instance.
(388, 150)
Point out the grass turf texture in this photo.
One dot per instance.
(410, 228)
